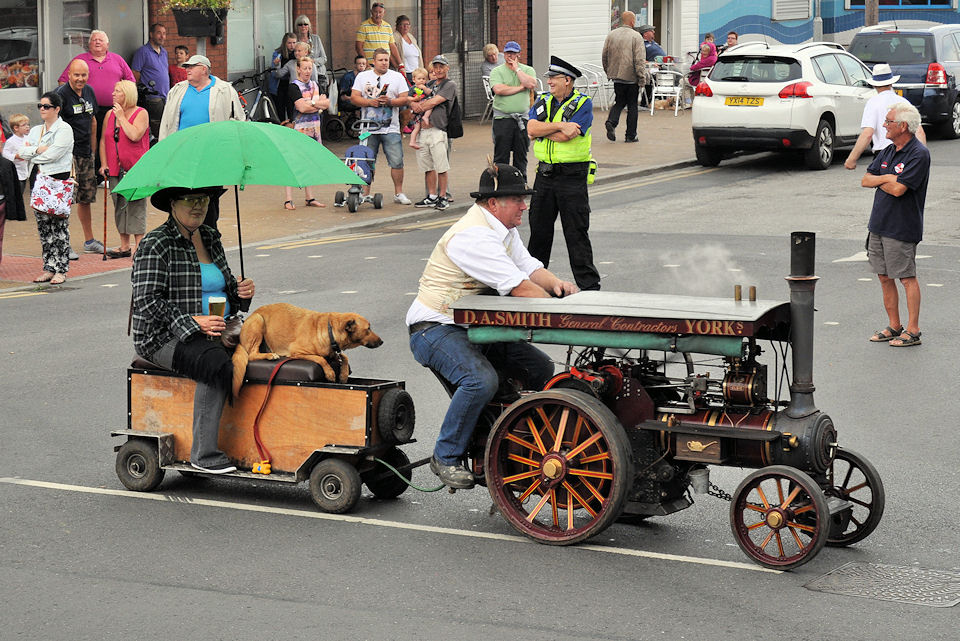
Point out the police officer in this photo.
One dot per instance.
(559, 125)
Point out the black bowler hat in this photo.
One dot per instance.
(560, 67)
(164, 198)
(499, 180)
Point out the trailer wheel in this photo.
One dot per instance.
(335, 485)
(558, 466)
(396, 416)
(853, 478)
(383, 482)
(138, 465)
(779, 516)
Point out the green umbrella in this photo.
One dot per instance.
(236, 153)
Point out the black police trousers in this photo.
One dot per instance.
(509, 136)
(563, 192)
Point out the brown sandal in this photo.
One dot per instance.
(312, 202)
(288, 204)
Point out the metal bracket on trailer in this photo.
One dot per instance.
(164, 443)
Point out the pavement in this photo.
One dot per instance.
(665, 141)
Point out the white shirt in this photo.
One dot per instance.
(10, 149)
(369, 84)
(875, 112)
(493, 255)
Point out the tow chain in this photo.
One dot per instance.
(720, 494)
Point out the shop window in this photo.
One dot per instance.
(19, 44)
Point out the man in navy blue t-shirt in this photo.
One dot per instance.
(899, 174)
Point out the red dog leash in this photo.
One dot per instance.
(263, 467)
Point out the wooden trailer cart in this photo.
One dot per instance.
(328, 433)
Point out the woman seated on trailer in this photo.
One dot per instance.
(177, 268)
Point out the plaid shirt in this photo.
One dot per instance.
(167, 289)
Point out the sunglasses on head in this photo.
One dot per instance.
(45, 106)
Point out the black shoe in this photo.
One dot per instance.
(441, 204)
(634, 139)
(426, 202)
(611, 136)
(455, 476)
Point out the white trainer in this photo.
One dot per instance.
(401, 199)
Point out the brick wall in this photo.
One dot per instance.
(512, 25)
(305, 8)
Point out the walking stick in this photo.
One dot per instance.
(106, 180)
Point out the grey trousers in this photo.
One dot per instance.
(207, 409)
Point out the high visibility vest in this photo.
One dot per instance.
(576, 150)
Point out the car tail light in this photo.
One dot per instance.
(936, 74)
(796, 90)
(703, 89)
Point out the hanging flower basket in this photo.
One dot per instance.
(200, 23)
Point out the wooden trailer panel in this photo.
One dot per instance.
(297, 420)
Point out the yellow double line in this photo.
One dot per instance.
(6, 295)
(653, 180)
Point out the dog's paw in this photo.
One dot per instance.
(273, 357)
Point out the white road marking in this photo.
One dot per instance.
(671, 265)
(262, 255)
(831, 323)
(399, 525)
(865, 280)
(316, 256)
(110, 285)
(349, 291)
(934, 284)
(859, 257)
(370, 258)
(605, 262)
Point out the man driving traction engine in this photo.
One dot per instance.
(481, 252)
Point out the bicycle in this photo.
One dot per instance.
(257, 104)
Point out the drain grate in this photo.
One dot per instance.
(934, 588)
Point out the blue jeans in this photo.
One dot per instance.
(392, 148)
(473, 370)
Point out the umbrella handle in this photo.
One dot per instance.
(236, 200)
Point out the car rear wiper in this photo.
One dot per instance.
(738, 78)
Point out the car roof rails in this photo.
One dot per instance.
(807, 45)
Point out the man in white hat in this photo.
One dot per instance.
(874, 113)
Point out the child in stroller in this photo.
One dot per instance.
(361, 160)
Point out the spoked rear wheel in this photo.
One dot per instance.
(780, 517)
(558, 466)
(853, 478)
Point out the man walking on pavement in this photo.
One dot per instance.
(381, 92)
(199, 99)
(433, 154)
(625, 63)
(874, 113)
(511, 83)
(560, 124)
(79, 111)
(899, 175)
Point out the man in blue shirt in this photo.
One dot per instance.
(150, 62)
(899, 174)
(653, 49)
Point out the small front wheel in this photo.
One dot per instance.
(138, 466)
(335, 485)
(338, 198)
(353, 201)
(779, 516)
(378, 201)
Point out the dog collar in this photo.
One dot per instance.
(333, 341)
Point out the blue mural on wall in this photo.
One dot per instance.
(752, 17)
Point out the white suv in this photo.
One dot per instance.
(808, 97)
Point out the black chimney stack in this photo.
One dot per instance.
(803, 245)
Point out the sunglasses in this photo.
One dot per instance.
(44, 106)
(303, 24)
(194, 199)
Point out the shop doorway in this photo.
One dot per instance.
(464, 29)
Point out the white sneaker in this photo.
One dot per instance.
(401, 199)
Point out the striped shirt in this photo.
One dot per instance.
(374, 36)
(167, 288)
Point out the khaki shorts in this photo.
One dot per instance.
(130, 216)
(892, 258)
(86, 176)
(432, 155)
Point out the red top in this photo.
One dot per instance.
(130, 151)
(177, 74)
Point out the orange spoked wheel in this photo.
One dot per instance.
(853, 478)
(779, 516)
(558, 466)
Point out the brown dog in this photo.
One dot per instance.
(300, 333)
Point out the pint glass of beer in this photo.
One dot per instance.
(217, 305)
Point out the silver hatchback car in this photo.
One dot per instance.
(806, 97)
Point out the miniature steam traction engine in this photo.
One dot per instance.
(631, 425)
